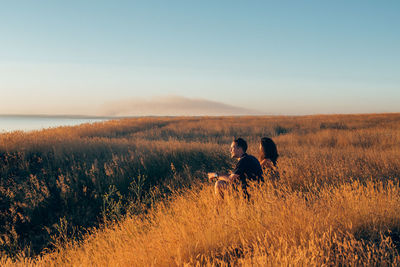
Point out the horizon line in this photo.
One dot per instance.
(82, 116)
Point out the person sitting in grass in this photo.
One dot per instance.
(268, 159)
(247, 168)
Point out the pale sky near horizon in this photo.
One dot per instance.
(270, 57)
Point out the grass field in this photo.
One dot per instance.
(133, 192)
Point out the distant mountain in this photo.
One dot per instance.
(172, 106)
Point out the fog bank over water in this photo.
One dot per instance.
(172, 106)
(168, 105)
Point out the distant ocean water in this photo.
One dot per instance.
(9, 123)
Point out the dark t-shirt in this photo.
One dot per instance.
(248, 168)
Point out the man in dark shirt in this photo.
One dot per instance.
(247, 168)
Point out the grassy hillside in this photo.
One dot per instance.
(338, 199)
(350, 224)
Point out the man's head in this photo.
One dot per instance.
(238, 148)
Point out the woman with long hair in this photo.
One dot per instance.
(268, 159)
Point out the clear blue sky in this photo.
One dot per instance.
(276, 57)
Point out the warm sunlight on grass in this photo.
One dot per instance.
(337, 202)
(350, 224)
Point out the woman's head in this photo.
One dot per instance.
(268, 150)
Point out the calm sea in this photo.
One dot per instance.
(9, 123)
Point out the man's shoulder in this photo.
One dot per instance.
(249, 159)
(249, 165)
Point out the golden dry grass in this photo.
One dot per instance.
(338, 201)
(337, 225)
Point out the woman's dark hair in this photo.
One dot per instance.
(268, 150)
(241, 143)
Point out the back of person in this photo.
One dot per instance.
(268, 159)
(248, 168)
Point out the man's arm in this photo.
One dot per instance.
(230, 178)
